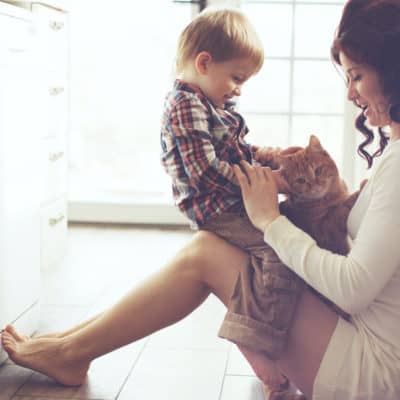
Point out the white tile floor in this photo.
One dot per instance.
(183, 362)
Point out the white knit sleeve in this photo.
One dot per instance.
(355, 280)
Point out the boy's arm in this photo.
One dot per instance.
(189, 129)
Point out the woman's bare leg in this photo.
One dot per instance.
(163, 300)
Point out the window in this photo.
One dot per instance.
(298, 91)
(121, 69)
(121, 60)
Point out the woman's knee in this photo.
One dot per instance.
(207, 254)
(193, 259)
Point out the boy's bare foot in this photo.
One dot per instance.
(265, 369)
(48, 356)
(285, 395)
(286, 391)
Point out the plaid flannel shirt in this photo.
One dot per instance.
(200, 143)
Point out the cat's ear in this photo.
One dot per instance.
(314, 143)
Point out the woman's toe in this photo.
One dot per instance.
(8, 342)
(11, 330)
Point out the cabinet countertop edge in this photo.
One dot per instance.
(8, 5)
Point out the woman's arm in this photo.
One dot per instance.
(352, 281)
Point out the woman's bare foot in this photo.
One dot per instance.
(48, 356)
(56, 335)
(11, 330)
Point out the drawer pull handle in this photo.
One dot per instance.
(56, 156)
(56, 25)
(16, 50)
(54, 91)
(55, 220)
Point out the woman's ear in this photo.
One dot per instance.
(202, 62)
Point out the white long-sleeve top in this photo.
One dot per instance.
(366, 282)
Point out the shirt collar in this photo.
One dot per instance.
(179, 84)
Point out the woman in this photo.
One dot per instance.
(327, 357)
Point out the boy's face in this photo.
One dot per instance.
(222, 81)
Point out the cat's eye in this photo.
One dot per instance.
(318, 171)
(301, 180)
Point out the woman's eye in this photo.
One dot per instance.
(301, 180)
(237, 79)
(318, 171)
(352, 79)
(355, 78)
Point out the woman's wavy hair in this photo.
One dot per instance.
(369, 33)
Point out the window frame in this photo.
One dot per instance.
(159, 212)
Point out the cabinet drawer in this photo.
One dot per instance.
(53, 233)
(17, 41)
(54, 169)
(54, 100)
(53, 33)
(58, 105)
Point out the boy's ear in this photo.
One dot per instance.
(202, 62)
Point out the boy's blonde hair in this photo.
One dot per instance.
(225, 33)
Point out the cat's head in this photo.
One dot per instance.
(310, 172)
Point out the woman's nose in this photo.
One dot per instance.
(351, 93)
(237, 91)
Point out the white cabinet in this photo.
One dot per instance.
(33, 155)
(52, 48)
(20, 174)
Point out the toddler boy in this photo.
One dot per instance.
(202, 137)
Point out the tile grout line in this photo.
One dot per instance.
(229, 351)
(133, 367)
(15, 394)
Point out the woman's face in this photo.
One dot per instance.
(364, 89)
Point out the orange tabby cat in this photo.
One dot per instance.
(318, 201)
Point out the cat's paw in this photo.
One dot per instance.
(268, 156)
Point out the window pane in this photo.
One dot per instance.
(314, 39)
(268, 130)
(317, 88)
(274, 25)
(119, 78)
(329, 130)
(269, 90)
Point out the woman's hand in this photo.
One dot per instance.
(259, 192)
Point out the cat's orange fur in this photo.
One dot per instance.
(319, 202)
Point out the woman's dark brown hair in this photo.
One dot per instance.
(369, 33)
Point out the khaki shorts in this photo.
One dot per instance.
(264, 300)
